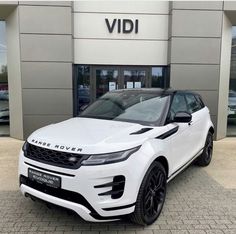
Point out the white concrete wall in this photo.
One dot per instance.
(94, 44)
(224, 77)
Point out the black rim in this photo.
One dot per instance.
(208, 148)
(154, 194)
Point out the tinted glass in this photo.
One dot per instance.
(107, 80)
(178, 105)
(4, 103)
(192, 103)
(131, 106)
(231, 110)
(134, 79)
(159, 78)
(83, 87)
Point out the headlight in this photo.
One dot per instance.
(24, 147)
(99, 159)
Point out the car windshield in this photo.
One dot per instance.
(130, 106)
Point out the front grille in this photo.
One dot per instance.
(53, 157)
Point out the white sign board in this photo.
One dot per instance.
(112, 86)
(129, 85)
(137, 85)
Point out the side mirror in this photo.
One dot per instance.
(182, 117)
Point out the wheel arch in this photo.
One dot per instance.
(212, 130)
(163, 160)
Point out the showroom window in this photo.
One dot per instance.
(91, 82)
(231, 128)
(4, 104)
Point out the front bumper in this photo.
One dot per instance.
(84, 182)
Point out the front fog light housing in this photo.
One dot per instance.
(99, 159)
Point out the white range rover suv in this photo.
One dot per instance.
(114, 160)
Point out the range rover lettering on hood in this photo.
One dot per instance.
(56, 146)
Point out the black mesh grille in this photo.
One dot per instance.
(53, 157)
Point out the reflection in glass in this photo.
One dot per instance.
(4, 103)
(135, 106)
(134, 79)
(231, 130)
(83, 94)
(106, 80)
(158, 77)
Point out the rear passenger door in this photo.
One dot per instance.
(197, 125)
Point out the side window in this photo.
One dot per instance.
(192, 103)
(178, 104)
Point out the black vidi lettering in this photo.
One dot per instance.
(110, 27)
(127, 26)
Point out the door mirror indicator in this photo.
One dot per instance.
(182, 117)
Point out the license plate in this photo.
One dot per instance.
(44, 178)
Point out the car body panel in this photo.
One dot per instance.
(178, 143)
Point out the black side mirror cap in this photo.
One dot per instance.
(182, 117)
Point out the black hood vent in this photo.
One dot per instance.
(141, 131)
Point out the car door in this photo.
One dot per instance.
(181, 142)
(197, 130)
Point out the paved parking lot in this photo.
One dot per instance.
(199, 200)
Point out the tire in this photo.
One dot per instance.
(205, 158)
(151, 196)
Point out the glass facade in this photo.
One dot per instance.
(91, 82)
(4, 103)
(231, 129)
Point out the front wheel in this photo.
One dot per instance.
(151, 196)
(205, 158)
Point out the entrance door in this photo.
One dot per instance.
(107, 79)
(134, 78)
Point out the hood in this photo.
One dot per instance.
(91, 136)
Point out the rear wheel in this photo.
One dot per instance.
(205, 158)
(151, 196)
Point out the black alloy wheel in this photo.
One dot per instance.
(205, 158)
(151, 196)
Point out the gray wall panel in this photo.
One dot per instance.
(198, 77)
(195, 50)
(46, 3)
(211, 100)
(46, 75)
(46, 47)
(42, 19)
(47, 102)
(229, 5)
(198, 5)
(198, 23)
(34, 122)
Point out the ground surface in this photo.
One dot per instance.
(199, 200)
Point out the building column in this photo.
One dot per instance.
(196, 57)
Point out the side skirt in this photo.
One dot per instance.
(184, 166)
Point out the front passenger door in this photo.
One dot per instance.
(181, 147)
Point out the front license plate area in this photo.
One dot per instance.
(44, 178)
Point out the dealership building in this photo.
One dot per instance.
(56, 57)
